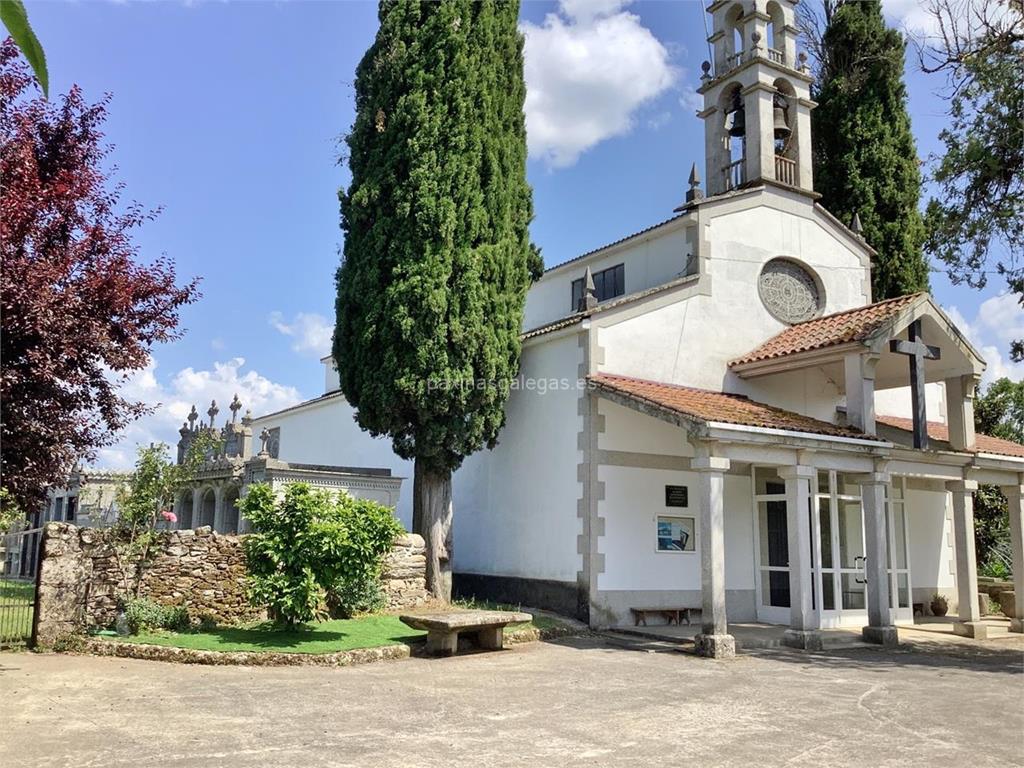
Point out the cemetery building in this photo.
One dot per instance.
(714, 412)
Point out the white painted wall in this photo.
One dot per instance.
(515, 506)
(932, 558)
(650, 260)
(896, 401)
(325, 432)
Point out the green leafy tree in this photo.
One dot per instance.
(865, 157)
(976, 221)
(309, 543)
(437, 256)
(999, 411)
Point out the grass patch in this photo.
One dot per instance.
(324, 637)
(17, 600)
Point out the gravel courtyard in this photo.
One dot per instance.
(583, 701)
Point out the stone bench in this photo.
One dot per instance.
(443, 629)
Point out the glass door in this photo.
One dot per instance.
(900, 604)
(839, 564)
(772, 542)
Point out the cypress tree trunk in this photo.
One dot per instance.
(433, 489)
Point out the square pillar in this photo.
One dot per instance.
(859, 375)
(1015, 502)
(969, 624)
(880, 628)
(714, 639)
(960, 411)
(802, 619)
(218, 508)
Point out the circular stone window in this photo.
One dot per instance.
(790, 291)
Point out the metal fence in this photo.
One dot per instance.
(19, 563)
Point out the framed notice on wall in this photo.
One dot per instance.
(675, 534)
(677, 496)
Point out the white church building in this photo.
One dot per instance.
(714, 413)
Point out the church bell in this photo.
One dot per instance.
(781, 128)
(739, 122)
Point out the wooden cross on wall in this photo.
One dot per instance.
(918, 352)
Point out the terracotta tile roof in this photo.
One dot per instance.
(705, 405)
(851, 325)
(938, 431)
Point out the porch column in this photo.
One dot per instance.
(802, 621)
(1015, 502)
(880, 628)
(859, 374)
(960, 411)
(714, 640)
(968, 611)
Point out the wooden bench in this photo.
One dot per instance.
(443, 629)
(671, 615)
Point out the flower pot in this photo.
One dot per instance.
(939, 608)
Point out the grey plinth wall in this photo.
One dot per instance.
(80, 579)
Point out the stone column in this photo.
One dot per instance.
(714, 640)
(969, 613)
(802, 632)
(880, 628)
(1015, 502)
(218, 507)
(197, 506)
(960, 411)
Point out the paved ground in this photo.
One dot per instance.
(583, 702)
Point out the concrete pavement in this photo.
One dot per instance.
(581, 701)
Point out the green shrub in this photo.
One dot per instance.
(308, 543)
(349, 598)
(142, 615)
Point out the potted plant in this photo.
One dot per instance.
(939, 605)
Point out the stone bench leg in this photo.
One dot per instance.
(442, 643)
(490, 638)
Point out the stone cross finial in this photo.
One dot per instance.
(918, 352)
(212, 411)
(192, 416)
(694, 193)
(589, 298)
(264, 442)
(236, 406)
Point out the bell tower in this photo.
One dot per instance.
(757, 106)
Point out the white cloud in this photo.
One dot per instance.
(691, 100)
(588, 69)
(998, 320)
(311, 333)
(173, 400)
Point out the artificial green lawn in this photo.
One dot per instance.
(325, 637)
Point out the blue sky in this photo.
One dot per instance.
(227, 115)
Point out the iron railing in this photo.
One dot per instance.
(19, 563)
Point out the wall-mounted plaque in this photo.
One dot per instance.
(677, 496)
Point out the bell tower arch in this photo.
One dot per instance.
(757, 105)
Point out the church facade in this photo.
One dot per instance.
(713, 412)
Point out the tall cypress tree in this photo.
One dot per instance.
(437, 255)
(865, 157)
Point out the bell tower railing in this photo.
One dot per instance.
(785, 170)
(734, 174)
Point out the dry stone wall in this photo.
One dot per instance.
(81, 578)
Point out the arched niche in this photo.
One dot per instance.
(776, 36)
(185, 512)
(733, 28)
(207, 508)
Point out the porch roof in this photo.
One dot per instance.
(709, 407)
(940, 432)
